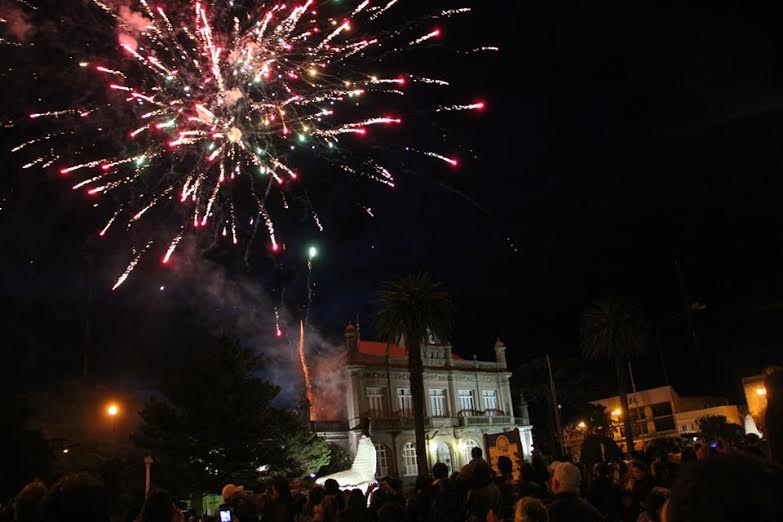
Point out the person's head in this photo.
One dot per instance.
(638, 470)
(316, 495)
(566, 478)
(76, 498)
(526, 472)
(476, 453)
(27, 504)
(659, 470)
(726, 488)
(280, 488)
(504, 465)
(423, 483)
(229, 490)
(159, 507)
(481, 477)
(529, 509)
(440, 471)
(602, 471)
(391, 512)
(687, 455)
(356, 500)
(332, 487)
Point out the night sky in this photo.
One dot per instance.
(623, 150)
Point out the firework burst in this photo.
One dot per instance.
(220, 102)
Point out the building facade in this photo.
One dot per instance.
(658, 413)
(465, 399)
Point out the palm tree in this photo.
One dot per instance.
(613, 328)
(410, 308)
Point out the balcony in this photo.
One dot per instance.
(484, 418)
(328, 425)
(399, 422)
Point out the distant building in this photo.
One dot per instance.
(756, 397)
(465, 399)
(660, 412)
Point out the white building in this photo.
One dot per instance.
(465, 399)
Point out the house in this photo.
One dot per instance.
(465, 399)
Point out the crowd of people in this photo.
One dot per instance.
(718, 485)
(717, 481)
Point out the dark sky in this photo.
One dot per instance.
(624, 149)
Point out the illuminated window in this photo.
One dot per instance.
(443, 454)
(382, 459)
(438, 403)
(409, 459)
(375, 402)
(490, 399)
(469, 445)
(467, 402)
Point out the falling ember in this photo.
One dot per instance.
(131, 266)
(451, 161)
(172, 247)
(106, 227)
(303, 362)
(212, 96)
(426, 37)
(486, 48)
(472, 106)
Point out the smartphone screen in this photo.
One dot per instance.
(225, 515)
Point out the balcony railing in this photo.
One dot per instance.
(399, 422)
(329, 425)
(483, 418)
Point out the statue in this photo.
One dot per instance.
(362, 472)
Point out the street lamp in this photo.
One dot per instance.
(312, 252)
(113, 412)
(761, 391)
(581, 425)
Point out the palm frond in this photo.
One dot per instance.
(613, 327)
(412, 305)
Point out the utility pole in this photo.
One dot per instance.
(556, 411)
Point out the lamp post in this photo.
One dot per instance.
(113, 412)
(147, 464)
(312, 253)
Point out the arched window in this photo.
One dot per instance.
(409, 459)
(469, 445)
(443, 454)
(382, 461)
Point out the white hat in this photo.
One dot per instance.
(568, 476)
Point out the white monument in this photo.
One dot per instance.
(362, 472)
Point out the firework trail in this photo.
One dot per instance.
(278, 331)
(218, 106)
(303, 362)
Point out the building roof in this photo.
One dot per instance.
(379, 348)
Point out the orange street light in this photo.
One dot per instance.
(761, 391)
(581, 425)
(112, 409)
(617, 412)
